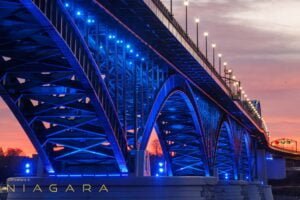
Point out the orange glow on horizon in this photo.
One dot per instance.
(12, 134)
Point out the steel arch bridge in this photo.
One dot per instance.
(88, 90)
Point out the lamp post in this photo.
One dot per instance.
(171, 7)
(213, 51)
(206, 35)
(186, 3)
(225, 71)
(220, 63)
(197, 20)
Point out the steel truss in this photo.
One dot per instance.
(49, 82)
(87, 92)
(132, 73)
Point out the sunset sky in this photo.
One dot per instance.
(260, 39)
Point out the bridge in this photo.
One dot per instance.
(90, 82)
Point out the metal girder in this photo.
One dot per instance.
(132, 73)
(175, 115)
(225, 162)
(87, 91)
(48, 81)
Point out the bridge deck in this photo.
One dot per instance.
(157, 31)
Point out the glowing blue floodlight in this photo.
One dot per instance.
(156, 174)
(161, 170)
(128, 46)
(89, 21)
(67, 5)
(131, 50)
(226, 176)
(161, 164)
(27, 171)
(137, 55)
(78, 13)
(27, 165)
(269, 157)
(143, 59)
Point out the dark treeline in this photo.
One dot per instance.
(11, 163)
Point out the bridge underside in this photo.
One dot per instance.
(88, 93)
(53, 102)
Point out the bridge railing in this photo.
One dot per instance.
(191, 43)
(53, 11)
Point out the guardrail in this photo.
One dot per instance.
(191, 43)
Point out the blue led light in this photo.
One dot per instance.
(226, 176)
(89, 21)
(143, 59)
(78, 13)
(161, 170)
(161, 164)
(75, 175)
(27, 165)
(67, 5)
(156, 174)
(130, 63)
(269, 158)
(62, 175)
(128, 46)
(101, 47)
(27, 171)
(131, 50)
(137, 55)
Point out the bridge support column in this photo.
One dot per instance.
(142, 163)
(261, 166)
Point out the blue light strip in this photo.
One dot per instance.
(88, 175)
(80, 13)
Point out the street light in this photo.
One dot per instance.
(205, 35)
(225, 68)
(197, 20)
(171, 7)
(186, 3)
(220, 63)
(213, 51)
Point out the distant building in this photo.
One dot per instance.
(12, 166)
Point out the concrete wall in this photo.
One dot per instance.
(276, 168)
(131, 188)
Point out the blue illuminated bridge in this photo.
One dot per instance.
(91, 82)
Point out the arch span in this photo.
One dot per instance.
(225, 157)
(175, 115)
(245, 158)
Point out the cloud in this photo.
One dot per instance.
(260, 39)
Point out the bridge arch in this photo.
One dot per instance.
(245, 158)
(175, 116)
(225, 156)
